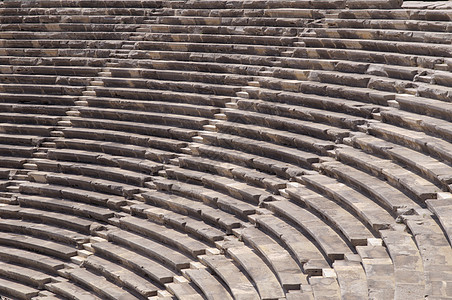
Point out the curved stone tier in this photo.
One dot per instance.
(238, 149)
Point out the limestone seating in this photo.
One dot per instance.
(371, 213)
(294, 140)
(86, 183)
(413, 25)
(265, 280)
(18, 290)
(72, 194)
(98, 284)
(143, 117)
(181, 241)
(321, 98)
(425, 106)
(74, 19)
(42, 89)
(351, 278)
(434, 126)
(396, 175)
(238, 283)
(141, 264)
(386, 195)
(383, 46)
(91, 170)
(116, 141)
(409, 273)
(178, 86)
(88, 35)
(155, 130)
(287, 124)
(46, 53)
(362, 94)
(267, 12)
(62, 235)
(62, 10)
(119, 149)
(219, 39)
(24, 275)
(37, 99)
(261, 164)
(379, 270)
(325, 287)
(290, 155)
(384, 34)
(316, 228)
(236, 189)
(190, 207)
(210, 197)
(31, 259)
(156, 250)
(68, 289)
(436, 260)
(228, 21)
(64, 3)
(66, 206)
(62, 43)
(441, 208)
(46, 247)
(301, 247)
(177, 71)
(70, 27)
(180, 221)
(348, 224)
(209, 285)
(431, 168)
(121, 276)
(184, 290)
(157, 106)
(247, 175)
(404, 14)
(44, 79)
(72, 222)
(297, 112)
(196, 47)
(281, 262)
(218, 30)
(415, 140)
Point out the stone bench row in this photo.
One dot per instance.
(86, 183)
(182, 71)
(96, 56)
(42, 89)
(122, 149)
(153, 106)
(396, 175)
(214, 206)
(236, 189)
(99, 19)
(184, 205)
(127, 163)
(83, 11)
(71, 35)
(178, 219)
(70, 27)
(383, 46)
(62, 43)
(374, 55)
(280, 137)
(75, 195)
(85, 3)
(415, 140)
(248, 175)
(93, 170)
(400, 14)
(31, 78)
(348, 224)
(221, 30)
(434, 170)
(383, 34)
(273, 151)
(19, 108)
(407, 24)
(38, 99)
(251, 161)
(137, 89)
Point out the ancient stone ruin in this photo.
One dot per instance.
(225, 149)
